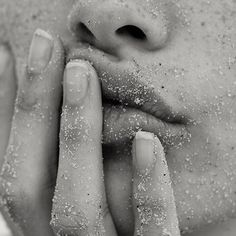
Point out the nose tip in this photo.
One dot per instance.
(114, 26)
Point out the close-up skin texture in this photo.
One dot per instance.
(166, 67)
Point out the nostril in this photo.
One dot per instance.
(85, 33)
(131, 31)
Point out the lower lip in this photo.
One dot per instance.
(121, 123)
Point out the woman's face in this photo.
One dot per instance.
(173, 64)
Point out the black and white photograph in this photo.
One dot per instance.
(117, 117)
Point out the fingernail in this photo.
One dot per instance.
(40, 50)
(144, 152)
(76, 81)
(4, 58)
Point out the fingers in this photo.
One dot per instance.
(153, 199)
(7, 96)
(80, 203)
(7, 100)
(29, 170)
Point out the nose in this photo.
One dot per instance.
(114, 25)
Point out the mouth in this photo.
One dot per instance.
(131, 104)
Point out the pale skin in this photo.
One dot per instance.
(82, 210)
(188, 59)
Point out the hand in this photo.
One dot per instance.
(31, 164)
(29, 169)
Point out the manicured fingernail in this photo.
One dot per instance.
(40, 50)
(76, 81)
(4, 58)
(144, 152)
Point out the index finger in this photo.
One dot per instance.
(153, 198)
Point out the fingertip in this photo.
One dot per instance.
(147, 152)
(41, 50)
(41, 87)
(80, 81)
(142, 135)
(76, 82)
(46, 50)
(152, 188)
(143, 152)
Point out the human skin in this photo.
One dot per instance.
(193, 72)
(33, 162)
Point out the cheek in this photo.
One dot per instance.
(192, 82)
(203, 174)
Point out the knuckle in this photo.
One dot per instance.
(27, 101)
(36, 93)
(68, 219)
(35, 104)
(67, 226)
(31, 74)
(151, 209)
(69, 222)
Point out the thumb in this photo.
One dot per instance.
(153, 199)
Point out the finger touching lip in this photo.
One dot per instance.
(122, 82)
(121, 123)
(140, 107)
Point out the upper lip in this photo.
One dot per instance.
(120, 85)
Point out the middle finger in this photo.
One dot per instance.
(80, 203)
